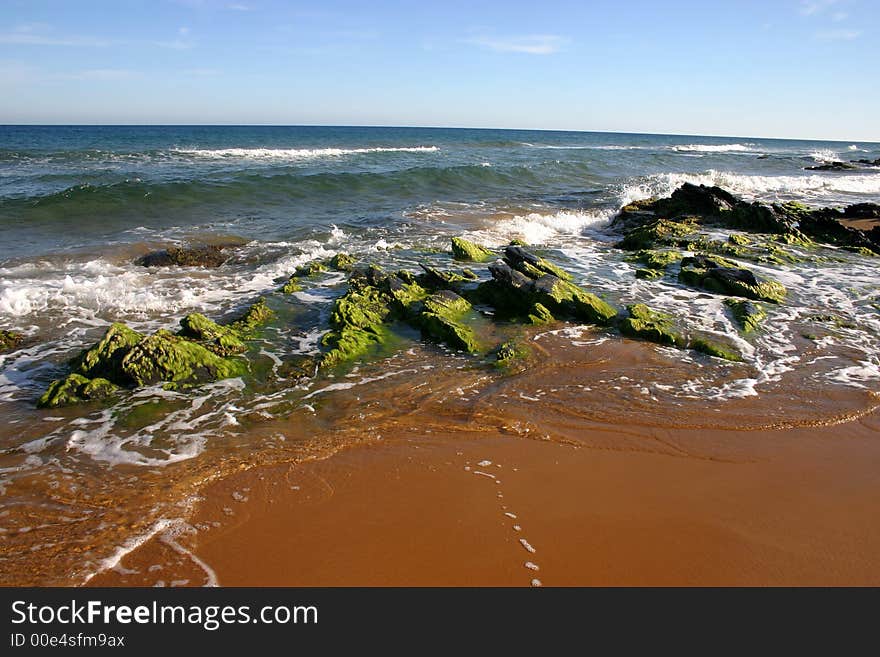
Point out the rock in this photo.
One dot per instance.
(165, 357)
(435, 279)
(407, 295)
(104, 359)
(563, 297)
(10, 340)
(518, 242)
(870, 163)
(510, 355)
(532, 265)
(298, 368)
(747, 314)
(342, 262)
(651, 325)
(832, 166)
(739, 239)
(222, 340)
(310, 269)
(292, 285)
(75, 389)
(648, 274)
(443, 319)
(257, 314)
(540, 315)
(357, 319)
(655, 233)
(691, 199)
(716, 349)
(463, 249)
(709, 274)
(658, 260)
(862, 210)
(197, 256)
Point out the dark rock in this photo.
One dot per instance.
(862, 211)
(10, 340)
(832, 166)
(198, 256)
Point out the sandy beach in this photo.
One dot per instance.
(609, 504)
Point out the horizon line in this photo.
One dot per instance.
(415, 127)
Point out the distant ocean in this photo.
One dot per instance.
(78, 205)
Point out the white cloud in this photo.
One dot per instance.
(839, 35)
(537, 44)
(25, 38)
(812, 7)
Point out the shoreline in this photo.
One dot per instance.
(786, 507)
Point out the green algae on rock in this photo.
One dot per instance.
(715, 349)
(510, 355)
(75, 389)
(710, 274)
(310, 269)
(657, 232)
(532, 265)
(651, 325)
(10, 340)
(467, 251)
(443, 319)
(104, 359)
(257, 314)
(222, 340)
(747, 314)
(167, 358)
(540, 315)
(342, 262)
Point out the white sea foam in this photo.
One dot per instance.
(825, 155)
(297, 153)
(816, 186)
(540, 228)
(714, 148)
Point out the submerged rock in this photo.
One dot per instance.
(197, 256)
(310, 269)
(832, 166)
(342, 262)
(10, 340)
(657, 232)
(715, 349)
(257, 314)
(466, 250)
(444, 319)
(746, 313)
(357, 322)
(510, 355)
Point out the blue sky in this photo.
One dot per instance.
(775, 68)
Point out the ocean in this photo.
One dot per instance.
(83, 485)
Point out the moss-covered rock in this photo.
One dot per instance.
(310, 269)
(198, 256)
(104, 359)
(444, 319)
(165, 357)
(342, 262)
(510, 355)
(467, 251)
(739, 239)
(648, 274)
(651, 325)
(292, 285)
(222, 340)
(10, 340)
(437, 279)
(532, 265)
(567, 298)
(357, 322)
(658, 260)
(257, 314)
(540, 315)
(748, 315)
(657, 232)
(716, 349)
(76, 389)
(709, 274)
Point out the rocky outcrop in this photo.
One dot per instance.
(197, 256)
(10, 340)
(467, 251)
(746, 314)
(722, 277)
(202, 351)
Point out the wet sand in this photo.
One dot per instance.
(795, 506)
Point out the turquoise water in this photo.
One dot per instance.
(78, 205)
